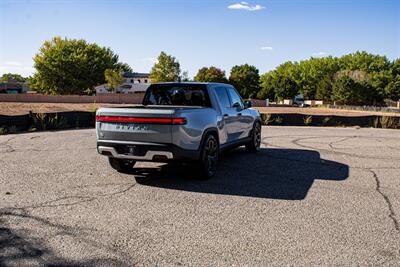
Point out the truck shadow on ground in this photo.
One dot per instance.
(23, 247)
(271, 173)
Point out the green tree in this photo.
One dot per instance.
(211, 74)
(309, 73)
(324, 89)
(345, 91)
(246, 79)
(392, 90)
(362, 60)
(283, 82)
(350, 92)
(12, 77)
(185, 76)
(268, 86)
(114, 78)
(373, 75)
(72, 66)
(167, 69)
(286, 88)
(379, 81)
(395, 68)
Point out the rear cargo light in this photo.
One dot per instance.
(178, 121)
(175, 121)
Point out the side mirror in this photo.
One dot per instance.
(247, 104)
(236, 105)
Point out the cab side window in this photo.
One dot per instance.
(222, 96)
(235, 97)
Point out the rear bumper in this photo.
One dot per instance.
(145, 151)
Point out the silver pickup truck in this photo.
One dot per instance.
(191, 122)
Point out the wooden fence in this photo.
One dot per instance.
(100, 98)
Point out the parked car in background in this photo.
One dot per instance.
(190, 122)
(298, 100)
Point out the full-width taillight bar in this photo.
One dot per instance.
(175, 121)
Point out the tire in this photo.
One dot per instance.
(121, 165)
(255, 143)
(209, 156)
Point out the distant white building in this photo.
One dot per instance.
(134, 82)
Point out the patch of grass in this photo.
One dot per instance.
(43, 121)
(376, 122)
(341, 124)
(13, 129)
(326, 121)
(3, 130)
(307, 120)
(267, 119)
(389, 122)
(278, 120)
(57, 123)
(39, 119)
(8, 130)
(93, 107)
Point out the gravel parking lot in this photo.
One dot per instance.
(312, 196)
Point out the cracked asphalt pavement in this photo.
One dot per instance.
(311, 196)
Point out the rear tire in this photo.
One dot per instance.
(255, 143)
(121, 165)
(207, 165)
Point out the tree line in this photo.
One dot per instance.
(73, 66)
(356, 79)
(359, 78)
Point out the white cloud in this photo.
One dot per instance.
(12, 63)
(267, 48)
(246, 6)
(15, 67)
(320, 54)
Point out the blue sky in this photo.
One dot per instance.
(202, 33)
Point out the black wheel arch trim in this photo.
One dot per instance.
(206, 132)
(254, 123)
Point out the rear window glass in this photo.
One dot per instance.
(177, 95)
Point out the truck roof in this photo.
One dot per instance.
(205, 83)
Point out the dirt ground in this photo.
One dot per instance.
(18, 108)
(14, 108)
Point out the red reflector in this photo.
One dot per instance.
(178, 121)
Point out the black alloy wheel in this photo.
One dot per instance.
(255, 143)
(209, 157)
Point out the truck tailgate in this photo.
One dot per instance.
(135, 124)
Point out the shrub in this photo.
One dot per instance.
(57, 123)
(307, 120)
(326, 120)
(389, 122)
(278, 120)
(376, 122)
(267, 119)
(12, 129)
(3, 130)
(93, 107)
(43, 121)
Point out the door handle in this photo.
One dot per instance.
(226, 115)
(239, 114)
